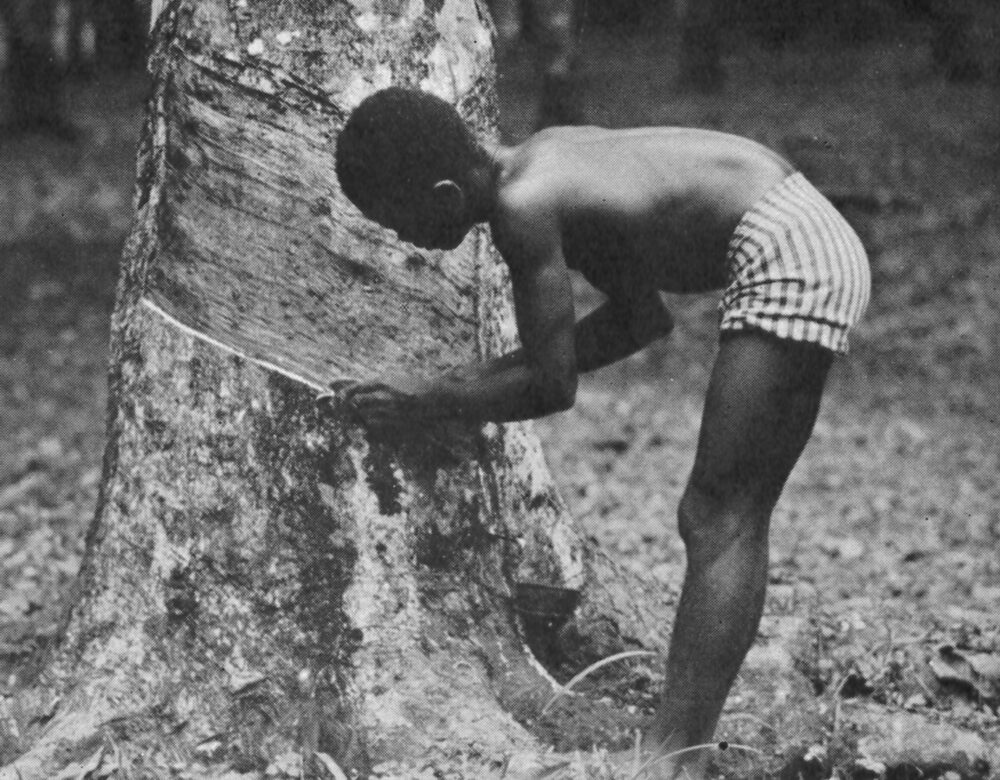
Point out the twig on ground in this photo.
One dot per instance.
(592, 668)
(690, 749)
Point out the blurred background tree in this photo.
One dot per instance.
(961, 32)
(46, 43)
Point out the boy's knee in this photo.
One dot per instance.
(697, 513)
(711, 520)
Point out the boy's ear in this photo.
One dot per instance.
(448, 197)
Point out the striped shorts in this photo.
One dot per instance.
(796, 269)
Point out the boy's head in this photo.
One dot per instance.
(406, 159)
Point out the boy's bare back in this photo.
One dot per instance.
(649, 208)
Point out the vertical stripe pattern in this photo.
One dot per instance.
(796, 269)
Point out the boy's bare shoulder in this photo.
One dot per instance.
(638, 178)
(581, 168)
(533, 170)
(531, 189)
(544, 172)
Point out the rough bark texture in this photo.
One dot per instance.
(262, 581)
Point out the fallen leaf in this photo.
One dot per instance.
(871, 765)
(987, 666)
(616, 445)
(979, 672)
(12, 494)
(14, 606)
(79, 770)
(847, 548)
(209, 748)
(111, 764)
(240, 680)
(286, 765)
(331, 766)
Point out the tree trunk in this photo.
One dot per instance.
(264, 582)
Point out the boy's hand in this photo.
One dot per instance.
(389, 402)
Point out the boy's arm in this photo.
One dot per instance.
(504, 388)
(606, 335)
(533, 381)
(614, 331)
(538, 379)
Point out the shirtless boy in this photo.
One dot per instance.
(635, 211)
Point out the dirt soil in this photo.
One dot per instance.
(886, 539)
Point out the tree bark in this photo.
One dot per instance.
(265, 583)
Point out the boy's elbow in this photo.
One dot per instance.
(557, 395)
(563, 401)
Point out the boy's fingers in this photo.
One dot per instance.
(340, 390)
(371, 403)
(341, 386)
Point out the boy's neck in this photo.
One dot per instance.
(485, 181)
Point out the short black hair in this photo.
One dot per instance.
(398, 143)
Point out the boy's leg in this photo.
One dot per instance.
(762, 401)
